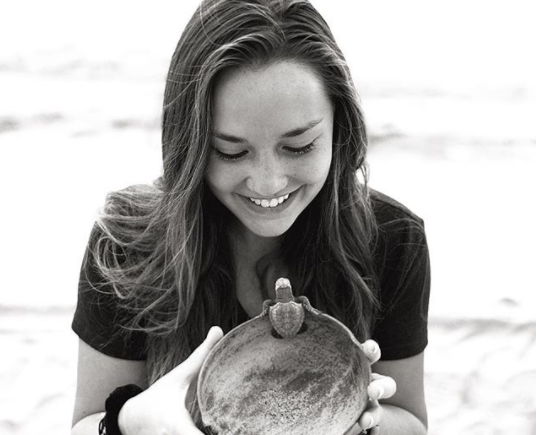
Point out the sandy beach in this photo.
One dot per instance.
(79, 117)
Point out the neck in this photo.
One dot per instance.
(251, 247)
(260, 256)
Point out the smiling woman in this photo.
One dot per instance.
(272, 146)
(262, 139)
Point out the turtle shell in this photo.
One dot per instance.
(256, 382)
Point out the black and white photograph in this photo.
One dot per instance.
(268, 217)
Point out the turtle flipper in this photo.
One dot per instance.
(266, 306)
(305, 302)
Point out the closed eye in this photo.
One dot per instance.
(234, 157)
(229, 157)
(303, 150)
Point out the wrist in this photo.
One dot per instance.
(114, 405)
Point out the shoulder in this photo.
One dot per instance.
(400, 239)
(396, 223)
(133, 201)
(387, 210)
(129, 224)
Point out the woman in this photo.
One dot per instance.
(262, 140)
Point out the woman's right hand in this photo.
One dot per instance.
(162, 407)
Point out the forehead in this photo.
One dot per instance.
(275, 98)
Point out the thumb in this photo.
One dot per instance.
(192, 365)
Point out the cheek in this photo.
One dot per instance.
(219, 179)
(315, 170)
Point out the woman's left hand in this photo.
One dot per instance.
(381, 387)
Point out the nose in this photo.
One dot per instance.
(267, 177)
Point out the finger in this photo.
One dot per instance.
(354, 430)
(381, 387)
(192, 365)
(371, 416)
(371, 350)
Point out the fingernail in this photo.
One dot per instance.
(372, 348)
(371, 422)
(381, 392)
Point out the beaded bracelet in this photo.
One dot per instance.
(109, 424)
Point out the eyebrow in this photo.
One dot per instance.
(292, 133)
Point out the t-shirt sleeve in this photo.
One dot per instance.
(98, 316)
(405, 279)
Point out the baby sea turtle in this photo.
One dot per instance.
(286, 312)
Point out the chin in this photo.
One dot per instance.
(269, 230)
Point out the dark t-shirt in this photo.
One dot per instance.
(401, 258)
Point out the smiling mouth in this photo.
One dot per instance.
(270, 203)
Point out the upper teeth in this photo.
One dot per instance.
(270, 202)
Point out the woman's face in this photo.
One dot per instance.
(272, 144)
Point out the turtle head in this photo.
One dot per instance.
(284, 293)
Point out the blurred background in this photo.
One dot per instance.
(449, 95)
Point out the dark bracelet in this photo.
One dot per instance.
(109, 424)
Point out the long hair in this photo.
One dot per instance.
(164, 249)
